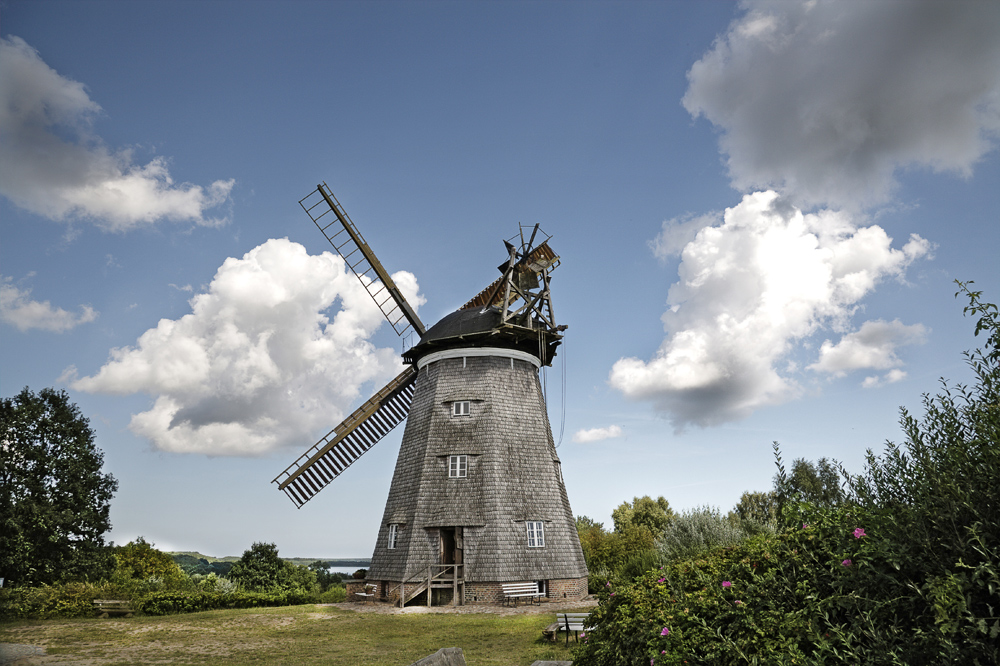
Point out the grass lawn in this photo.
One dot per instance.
(291, 635)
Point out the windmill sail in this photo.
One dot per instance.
(350, 244)
(343, 445)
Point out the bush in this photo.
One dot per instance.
(697, 531)
(903, 570)
(165, 603)
(49, 601)
(333, 595)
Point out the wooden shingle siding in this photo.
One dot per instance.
(512, 478)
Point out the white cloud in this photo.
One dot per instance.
(872, 346)
(257, 364)
(890, 377)
(18, 310)
(825, 100)
(677, 232)
(52, 165)
(750, 292)
(597, 434)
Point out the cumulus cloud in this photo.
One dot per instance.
(258, 364)
(825, 100)
(677, 232)
(751, 291)
(18, 310)
(51, 163)
(873, 346)
(890, 377)
(597, 434)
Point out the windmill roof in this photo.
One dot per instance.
(480, 327)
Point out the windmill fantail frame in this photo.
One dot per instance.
(477, 499)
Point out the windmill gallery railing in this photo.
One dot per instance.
(437, 576)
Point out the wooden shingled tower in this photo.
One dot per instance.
(477, 499)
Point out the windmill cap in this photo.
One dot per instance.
(476, 327)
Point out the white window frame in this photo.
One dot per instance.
(536, 533)
(461, 408)
(393, 536)
(458, 466)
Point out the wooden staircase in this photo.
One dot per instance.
(435, 577)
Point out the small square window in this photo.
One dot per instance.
(393, 534)
(536, 534)
(458, 467)
(461, 408)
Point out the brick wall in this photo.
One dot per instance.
(570, 589)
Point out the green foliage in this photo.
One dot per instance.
(140, 561)
(49, 601)
(644, 511)
(334, 595)
(324, 578)
(697, 531)
(261, 570)
(190, 601)
(192, 565)
(606, 553)
(817, 483)
(904, 569)
(54, 499)
(756, 509)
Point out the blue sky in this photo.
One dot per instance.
(760, 211)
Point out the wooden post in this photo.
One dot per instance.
(454, 585)
(429, 587)
(402, 593)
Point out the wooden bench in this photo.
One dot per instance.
(516, 591)
(108, 607)
(575, 622)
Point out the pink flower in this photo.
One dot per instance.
(860, 532)
(661, 580)
(726, 583)
(608, 584)
(846, 563)
(739, 603)
(665, 632)
(805, 525)
(612, 594)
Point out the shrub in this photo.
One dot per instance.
(334, 595)
(696, 531)
(905, 571)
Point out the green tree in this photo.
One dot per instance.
(54, 498)
(757, 507)
(818, 484)
(646, 512)
(139, 560)
(259, 568)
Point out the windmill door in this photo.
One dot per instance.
(451, 545)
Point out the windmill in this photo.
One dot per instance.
(477, 498)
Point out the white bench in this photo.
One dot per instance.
(575, 622)
(367, 595)
(515, 591)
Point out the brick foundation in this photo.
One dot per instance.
(570, 589)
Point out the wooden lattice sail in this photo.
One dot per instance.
(477, 499)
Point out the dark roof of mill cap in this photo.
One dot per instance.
(481, 327)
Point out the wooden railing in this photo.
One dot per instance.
(438, 576)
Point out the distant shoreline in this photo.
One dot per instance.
(338, 562)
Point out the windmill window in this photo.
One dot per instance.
(458, 467)
(536, 534)
(393, 534)
(461, 408)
